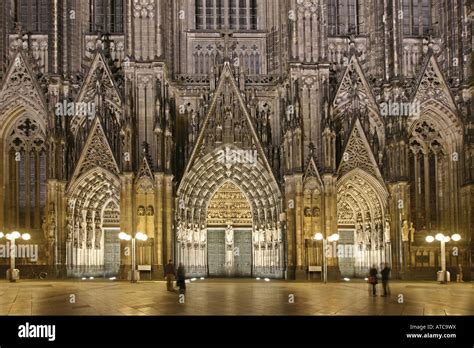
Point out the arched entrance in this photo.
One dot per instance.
(361, 211)
(228, 219)
(93, 225)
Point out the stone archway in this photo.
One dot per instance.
(361, 212)
(93, 202)
(252, 185)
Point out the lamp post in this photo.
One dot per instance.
(140, 236)
(443, 240)
(12, 237)
(332, 238)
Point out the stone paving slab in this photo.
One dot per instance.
(232, 297)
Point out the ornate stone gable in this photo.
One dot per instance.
(20, 88)
(144, 179)
(432, 85)
(357, 154)
(312, 171)
(354, 85)
(99, 88)
(96, 153)
(227, 121)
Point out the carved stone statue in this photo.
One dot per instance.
(150, 211)
(189, 234)
(180, 235)
(44, 227)
(82, 233)
(77, 228)
(203, 235)
(69, 228)
(196, 233)
(386, 231)
(141, 210)
(90, 233)
(405, 231)
(98, 234)
(229, 235)
(412, 232)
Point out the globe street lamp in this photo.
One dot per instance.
(140, 236)
(12, 273)
(332, 238)
(443, 240)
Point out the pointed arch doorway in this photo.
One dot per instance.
(361, 214)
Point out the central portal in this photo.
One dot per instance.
(229, 233)
(229, 260)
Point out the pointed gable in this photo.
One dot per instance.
(312, 171)
(352, 80)
(227, 121)
(358, 154)
(98, 76)
(20, 87)
(145, 180)
(431, 84)
(96, 153)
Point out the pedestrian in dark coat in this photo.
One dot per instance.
(373, 279)
(170, 274)
(181, 279)
(385, 279)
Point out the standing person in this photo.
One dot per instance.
(181, 279)
(385, 279)
(459, 276)
(373, 279)
(170, 274)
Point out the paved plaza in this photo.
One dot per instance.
(232, 297)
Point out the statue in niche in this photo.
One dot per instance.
(196, 234)
(150, 211)
(52, 222)
(141, 210)
(368, 236)
(412, 232)
(238, 132)
(180, 235)
(359, 235)
(387, 231)
(98, 234)
(268, 234)
(229, 236)
(405, 231)
(69, 228)
(307, 211)
(316, 212)
(189, 234)
(219, 133)
(261, 235)
(228, 123)
(203, 235)
(90, 233)
(82, 230)
(44, 227)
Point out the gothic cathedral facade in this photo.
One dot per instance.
(233, 133)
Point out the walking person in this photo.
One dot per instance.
(373, 279)
(170, 274)
(181, 279)
(385, 279)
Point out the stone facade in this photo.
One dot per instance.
(328, 116)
